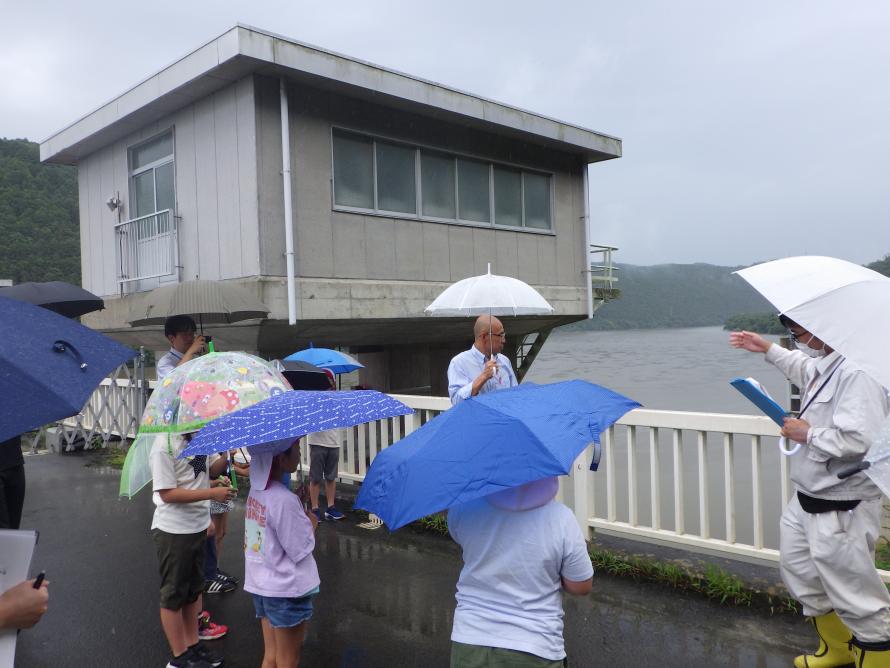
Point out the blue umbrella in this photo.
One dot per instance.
(326, 358)
(290, 415)
(486, 444)
(49, 365)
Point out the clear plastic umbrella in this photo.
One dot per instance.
(195, 393)
(489, 294)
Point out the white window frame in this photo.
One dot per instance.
(418, 215)
(160, 162)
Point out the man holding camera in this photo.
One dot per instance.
(184, 344)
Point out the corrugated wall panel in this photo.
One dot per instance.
(228, 208)
(246, 159)
(206, 187)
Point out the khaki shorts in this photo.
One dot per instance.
(181, 563)
(477, 656)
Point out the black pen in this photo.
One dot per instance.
(39, 579)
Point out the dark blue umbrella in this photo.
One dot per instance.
(49, 366)
(290, 415)
(65, 299)
(486, 444)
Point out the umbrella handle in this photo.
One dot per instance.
(61, 346)
(783, 448)
(843, 474)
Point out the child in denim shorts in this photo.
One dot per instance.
(279, 537)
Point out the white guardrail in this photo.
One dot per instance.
(719, 485)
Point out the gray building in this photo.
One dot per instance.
(256, 152)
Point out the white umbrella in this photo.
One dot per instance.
(843, 304)
(489, 294)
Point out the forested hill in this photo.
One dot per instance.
(39, 234)
(675, 295)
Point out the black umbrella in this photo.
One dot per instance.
(63, 298)
(304, 376)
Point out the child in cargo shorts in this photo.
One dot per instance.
(324, 460)
(179, 529)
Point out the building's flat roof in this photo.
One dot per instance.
(243, 50)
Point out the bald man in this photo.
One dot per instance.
(482, 368)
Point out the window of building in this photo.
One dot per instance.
(396, 178)
(354, 171)
(437, 185)
(377, 176)
(152, 176)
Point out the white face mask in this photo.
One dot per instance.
(810, 352)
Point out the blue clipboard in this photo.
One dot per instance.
(772, 410)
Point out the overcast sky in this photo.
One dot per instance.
(751, 130)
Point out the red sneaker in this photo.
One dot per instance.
(208, 630)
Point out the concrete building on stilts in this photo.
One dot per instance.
(380, 187)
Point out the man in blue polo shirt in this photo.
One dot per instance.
(482, 368)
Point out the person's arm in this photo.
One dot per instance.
(180, 495)
(194, 349)
(793, 363)
(313, 518)
(509, 367)
(578, 588)
(576, 572)
(459, 385)
(164, 367)
(860, 406)
(218, 467)
(293, 527)
(22, 606)
(797, 367)
(462, 386)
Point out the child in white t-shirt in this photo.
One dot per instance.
(521, 548)
(182, 497)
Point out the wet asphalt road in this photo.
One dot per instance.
(386, 599)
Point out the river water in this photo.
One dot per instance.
(685, 370)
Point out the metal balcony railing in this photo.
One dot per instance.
(147, 247)
(602, 273)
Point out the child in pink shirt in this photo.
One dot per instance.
(280, 571)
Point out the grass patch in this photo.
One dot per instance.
(882, 554)
(115, 458)
(714, 583)
(435, 523)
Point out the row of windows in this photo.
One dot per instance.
(389, 178)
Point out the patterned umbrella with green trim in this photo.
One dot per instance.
(195, 393)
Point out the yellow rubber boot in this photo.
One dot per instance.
(834, 644)
(871, 654)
